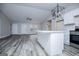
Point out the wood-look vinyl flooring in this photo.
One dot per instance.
(23, 45)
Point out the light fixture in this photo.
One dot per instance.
(57, 12)
(28, 19)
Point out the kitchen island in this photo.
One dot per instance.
(51, 41)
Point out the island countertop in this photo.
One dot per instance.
(51, 31)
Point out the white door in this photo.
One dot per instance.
(14, 29)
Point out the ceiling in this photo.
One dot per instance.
(37, 11)
(48, 6)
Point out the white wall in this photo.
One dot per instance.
(4, 26)
(0, 27)
(24, 28)
(44, 26)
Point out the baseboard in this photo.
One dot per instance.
(5, 36)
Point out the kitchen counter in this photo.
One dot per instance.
(51, 31)
(51, 41)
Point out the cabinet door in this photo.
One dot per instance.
(69, 18)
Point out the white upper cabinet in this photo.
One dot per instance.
(69, 16)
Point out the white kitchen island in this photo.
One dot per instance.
(51, 41)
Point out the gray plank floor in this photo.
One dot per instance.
(23, 45)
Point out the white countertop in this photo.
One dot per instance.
(51, 31)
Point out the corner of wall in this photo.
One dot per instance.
(4, 26)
